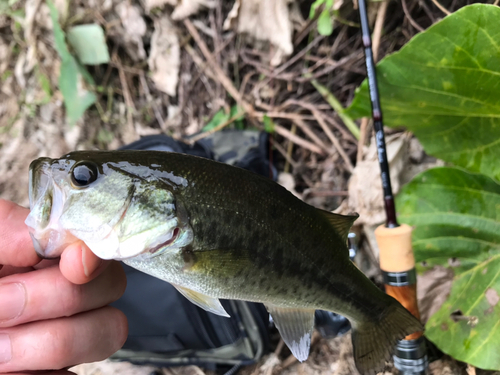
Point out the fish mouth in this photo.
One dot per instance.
(46, 206)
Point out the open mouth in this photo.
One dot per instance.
(46, 206)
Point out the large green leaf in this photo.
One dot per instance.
(467, 326)
(89, 44)
(444, 86)
(457, 224)
(76, 98)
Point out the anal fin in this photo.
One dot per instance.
(296, 327)
(208, 303)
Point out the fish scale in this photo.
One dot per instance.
(216, 231)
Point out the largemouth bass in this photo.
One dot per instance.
(215, 231)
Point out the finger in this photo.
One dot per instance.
(79, 265)
(59, 343)
(16, 248)
(47, 294)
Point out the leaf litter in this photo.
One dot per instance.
(159, 80)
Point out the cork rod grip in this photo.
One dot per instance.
(396, 253)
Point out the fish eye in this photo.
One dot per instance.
(84, 173)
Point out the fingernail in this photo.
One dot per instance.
(5, 348)
(12, 300)
(90, 262)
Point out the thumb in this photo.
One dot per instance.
(80, 265)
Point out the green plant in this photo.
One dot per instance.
(444, 86)
(325, 20)
(221, 118)
(90, 47)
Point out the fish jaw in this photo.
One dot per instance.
(46, 203)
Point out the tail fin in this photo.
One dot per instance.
(374, 341)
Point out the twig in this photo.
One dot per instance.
(221, 76)
(277, 71)
(356, 55)
(298, 140)
(311, 107)
(123, 81)
(307, 130)
(333, 139)
(151, 100)
(377, 30)
(202, 65)
(408, 15)
(423, 5)
(127, 69)
(283, 152)
(441, 8)
(297, 56)
(279, 347)
(346, 134)
(362, 139)
(333, 101)
(289, 151)
(286, 115)
(125, 89)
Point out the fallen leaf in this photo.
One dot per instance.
(433, 289)
(185, 8)
(89, 44)
(164, 60)
(267, 21)
(182, 8)
(133, 30)
(365, 185)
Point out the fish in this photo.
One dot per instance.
(214, 232)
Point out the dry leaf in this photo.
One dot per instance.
(365, 186)
(134, 28)
(164, 60)
(183, 8)
(268, 21)
(433, 289)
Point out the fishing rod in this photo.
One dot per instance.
(394, 240)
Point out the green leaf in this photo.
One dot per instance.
(59, 38)
(325, 23)
(89, 44)
(76, 98)
(443, 85)
(474, 337)
(457, 217)
(268, 124)
(315, 6)
(219, 118)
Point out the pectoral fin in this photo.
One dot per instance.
(210, 304)
(296, 327)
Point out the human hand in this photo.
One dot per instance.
(53, 313)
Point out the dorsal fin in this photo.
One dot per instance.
(341, 223)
